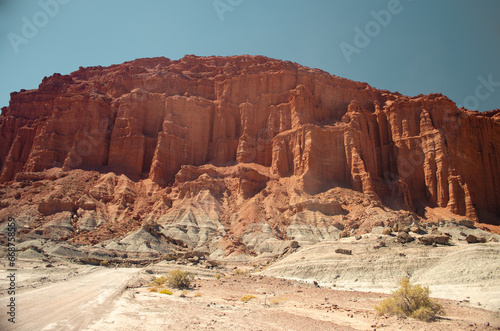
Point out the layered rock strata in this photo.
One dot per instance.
(149, 118)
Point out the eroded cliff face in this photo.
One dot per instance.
(148, 118)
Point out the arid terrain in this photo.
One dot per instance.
(66, 296)
(313, 193)
(311, 288)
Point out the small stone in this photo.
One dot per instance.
(343, 251)
(387, 231)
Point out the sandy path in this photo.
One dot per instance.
(71, 305)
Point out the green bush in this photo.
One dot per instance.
(179, 279)
(410, 301)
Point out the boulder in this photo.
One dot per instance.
(432, 239)
(472, 239)
(404, 237)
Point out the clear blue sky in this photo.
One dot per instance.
(440, 46)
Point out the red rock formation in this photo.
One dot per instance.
(150, 117)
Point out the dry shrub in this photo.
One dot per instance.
(277, 301)
(410, 301)
(247, 298)
(159, 280)
(165, 291)
(239, 272)
(179, 279)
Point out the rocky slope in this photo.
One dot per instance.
(458, 271)
(236, 155)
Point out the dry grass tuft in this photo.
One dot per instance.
(165, 291)
(247, 298)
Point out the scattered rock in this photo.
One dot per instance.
(467, 223)
(211, 263)
(343, 251)
(193, 259)
(405, 229)
(344, 234)
(415, 228)
(387, 231)
(472, 239)
(433, 239)
(404, 237)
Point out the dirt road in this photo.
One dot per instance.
(69, 305)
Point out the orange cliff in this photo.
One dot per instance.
(149, 117)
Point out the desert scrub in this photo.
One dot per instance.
(179, 279)
(153, 289)
(239, 272)
(160, 280)
(165, 291)
(247, 298)
(277, 301)
(410, 301)
(104, 263)
(218, 276)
